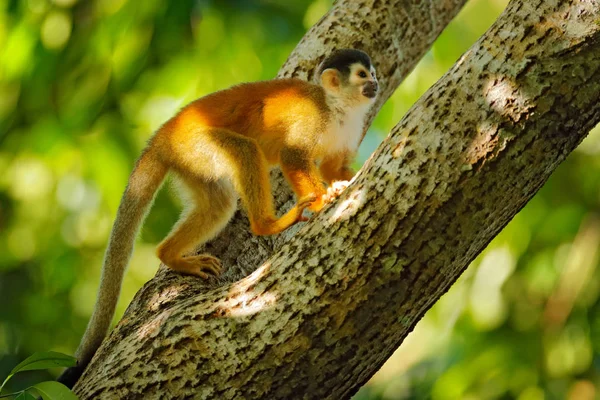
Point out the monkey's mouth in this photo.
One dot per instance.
(369, 90)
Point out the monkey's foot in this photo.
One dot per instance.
(202, 265)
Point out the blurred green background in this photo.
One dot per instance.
(84, 83)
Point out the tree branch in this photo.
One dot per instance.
(325, 311)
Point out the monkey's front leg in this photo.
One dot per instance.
(337, 173)
(302, 174)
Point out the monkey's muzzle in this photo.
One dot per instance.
(370, 89)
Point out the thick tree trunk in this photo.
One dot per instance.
(325, 311)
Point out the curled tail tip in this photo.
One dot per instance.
(70, 376)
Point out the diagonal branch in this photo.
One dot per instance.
(323, 313)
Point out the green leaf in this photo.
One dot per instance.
(25, 396)
(44, 360)
(51, 390)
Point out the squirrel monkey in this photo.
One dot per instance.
(220, 147)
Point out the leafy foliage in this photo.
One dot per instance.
(54, 391)
(84, 83)
(49, 390)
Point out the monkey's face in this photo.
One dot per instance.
(348, 75)
(356, 84)
(363, 82)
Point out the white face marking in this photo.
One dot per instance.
(357, 78)
(356, 70)
(349, 107)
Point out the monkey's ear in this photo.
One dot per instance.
(330, 79)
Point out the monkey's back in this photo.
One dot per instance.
(274, 113)
(262, 108)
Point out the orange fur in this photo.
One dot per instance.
(235, 135)
(335, 167)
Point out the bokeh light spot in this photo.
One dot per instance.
(30, 178)
(21, 243)
(56, 30)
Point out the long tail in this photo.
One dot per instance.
(144, 182)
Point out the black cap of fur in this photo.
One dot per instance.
(343, 59)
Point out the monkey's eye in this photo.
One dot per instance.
(362, 74)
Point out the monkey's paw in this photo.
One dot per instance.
(202, 265)
(304, 202)
(335, 190)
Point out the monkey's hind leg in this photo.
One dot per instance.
(210, 205)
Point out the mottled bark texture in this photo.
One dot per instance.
(323, 313)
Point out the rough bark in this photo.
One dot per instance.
(321, 315)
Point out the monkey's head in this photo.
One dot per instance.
(349, 74)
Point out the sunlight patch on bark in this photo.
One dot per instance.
(150, 328)
(242, 300)
(163, 297)
(251, 280)
(501, 93)
(348, 207)
(248, 304)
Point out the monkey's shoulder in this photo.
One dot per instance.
(271, 100)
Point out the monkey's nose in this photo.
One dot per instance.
(370, 89)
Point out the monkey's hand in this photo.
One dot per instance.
(303, 203)
(335, 190)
